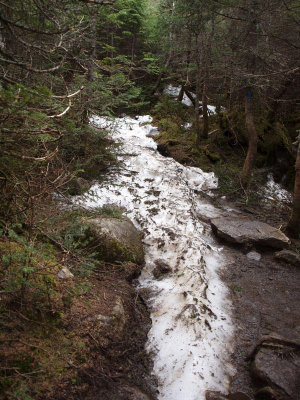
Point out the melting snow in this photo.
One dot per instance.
(174, 91)
(191, 333)
(274, 191)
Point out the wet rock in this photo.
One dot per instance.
(253, 255)
(241, 230)
(65, 274)
(115, 239)
(289, 257)
(277, 368)
(161, 269)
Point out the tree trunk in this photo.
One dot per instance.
(204, 111)
(252, 144)
(293, 227)
(189, 95)
(196, 114)
(181, 93)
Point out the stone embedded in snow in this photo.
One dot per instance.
(253, 255)
(65, 274)
(154, 132)
(288, 256)
(241, 230)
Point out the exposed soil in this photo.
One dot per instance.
(265, 297)
(118, 367)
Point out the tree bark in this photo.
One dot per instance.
(196, 113)
(181, 93)
(204, 111)
(252, 144)
(293, 227)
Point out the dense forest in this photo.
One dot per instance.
(65, 61)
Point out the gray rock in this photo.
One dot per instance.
(253, 255)
(161, 269)
(154, 132)
(114, 322)
(288, 256)
(65, 274)
(115, 239)
(277, 370)
(241, 230)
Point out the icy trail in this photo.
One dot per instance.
(190, 338)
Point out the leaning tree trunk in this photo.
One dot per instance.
(252, 144)
(294, 225)
(181, 93)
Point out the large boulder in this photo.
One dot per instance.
(115, 239)
(242, 230)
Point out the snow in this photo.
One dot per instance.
(191, 334)
(274, 191)
(174, 91)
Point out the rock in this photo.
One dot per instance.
(253, 255)
(161, 268)
(65, 274)
(242, 230)
(115, 239)
(115, 320)
(288, 256)
(154, 132)
(212, 395)
(278, 370)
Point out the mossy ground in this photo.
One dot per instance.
(51, 345)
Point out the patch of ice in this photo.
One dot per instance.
(191, 332)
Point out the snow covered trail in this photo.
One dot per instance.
(190, 338)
